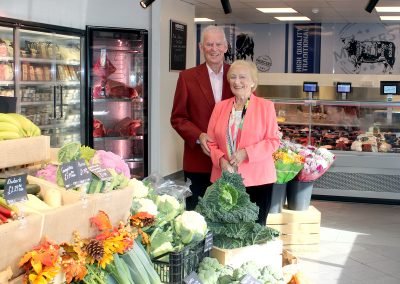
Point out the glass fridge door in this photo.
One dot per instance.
(117, 62)
(49, 84)
(6, 62)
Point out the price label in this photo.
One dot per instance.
(75, 173)
(15, 189)
(101, 173)
(208, 242)
(192, 278)
(248, 279)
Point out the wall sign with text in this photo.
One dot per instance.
(177, 46)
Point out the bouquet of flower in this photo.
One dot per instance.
(317, 162)
(287, 162)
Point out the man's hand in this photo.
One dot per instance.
(238, 157)
(204, 138)
(225, 166)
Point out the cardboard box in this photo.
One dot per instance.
(269, 253)
(24, 151)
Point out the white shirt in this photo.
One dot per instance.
(216, 82)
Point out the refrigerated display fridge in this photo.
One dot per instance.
(42, 66)
(117, 103)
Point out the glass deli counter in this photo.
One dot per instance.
(363, 134)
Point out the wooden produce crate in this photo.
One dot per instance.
(116, 203)
(300, 230)
(16, 240)
(24, 151)
(269, 253)
(68, 196)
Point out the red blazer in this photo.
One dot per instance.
(259, 137)
(191, 111)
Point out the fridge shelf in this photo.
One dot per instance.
(6, 83)
(59, 125)
(137, 137)
(50, 83)
(71, 102)
(6, 59)
(134, 160)
(105, 100)
(50, 61)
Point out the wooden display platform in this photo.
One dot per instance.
(300, 230)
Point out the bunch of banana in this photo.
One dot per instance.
(13, 126)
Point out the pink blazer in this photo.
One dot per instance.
(259, 138)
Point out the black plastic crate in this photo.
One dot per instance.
(182, 263)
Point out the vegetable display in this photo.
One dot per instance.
(230, 214)
(212, 272)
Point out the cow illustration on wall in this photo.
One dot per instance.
(244, 46)
(368, 51)
(228, 55)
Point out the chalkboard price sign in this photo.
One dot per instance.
(177, 48)
(101, 173)
(15, 189)
(192, 278)
(248, 279)
(208, 242)
(75, 173)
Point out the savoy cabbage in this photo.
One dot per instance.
(231, 215)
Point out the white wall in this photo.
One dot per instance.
(166, 146)
(78, 13)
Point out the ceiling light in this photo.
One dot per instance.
(387, 9)
(196, 20)
(277, 10)
(292, 18)
(146, 3)
(390, 18)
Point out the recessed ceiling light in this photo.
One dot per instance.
(292, 18)
(390, 18)
(196, 20)
(277, 10)
(387, 9)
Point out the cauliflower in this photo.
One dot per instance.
(168, 206)
(190, 226)
(144, 205)
(139, 189)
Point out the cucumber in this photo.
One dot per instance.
(2, 183)
(32, 189)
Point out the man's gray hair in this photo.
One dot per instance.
(212, 28)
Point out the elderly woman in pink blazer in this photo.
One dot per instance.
(244, 134)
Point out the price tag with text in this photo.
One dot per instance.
(15, 189)
(101, 173)
(208, 242)
(192, 278)
(75, 173)
(248, 279)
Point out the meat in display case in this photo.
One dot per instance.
(341, 125)
(117, 84)
(46, 61)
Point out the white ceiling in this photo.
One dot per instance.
(330, 11)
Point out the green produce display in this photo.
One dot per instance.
(231, 216)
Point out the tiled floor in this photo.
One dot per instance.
(360, 243)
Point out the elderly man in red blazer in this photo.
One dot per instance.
(197, 91)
